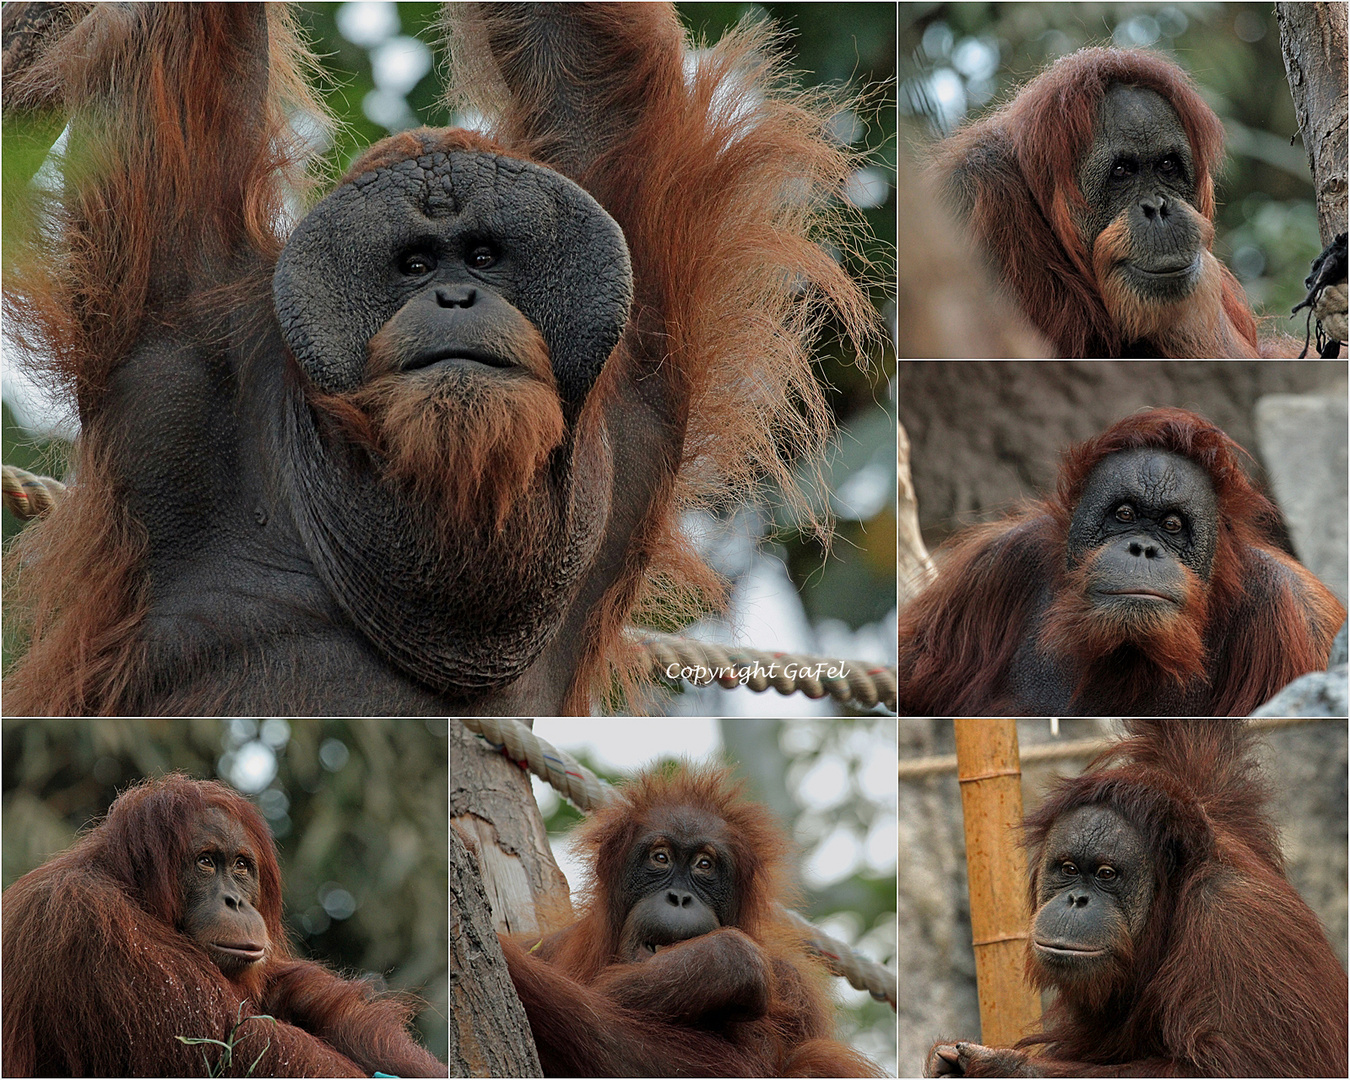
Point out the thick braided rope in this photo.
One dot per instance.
(671, 658)
(559, 769)
(701, 663)
(861, 973)
(28, 495)
(588, 792)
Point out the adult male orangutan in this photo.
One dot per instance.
(427, 451)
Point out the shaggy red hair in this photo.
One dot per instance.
(563, 979)
(959, 636)
(1017, 169)
(726, 184)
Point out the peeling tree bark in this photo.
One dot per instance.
(502, 879)
(489, 1032)
(1313, 38)
(493, 807)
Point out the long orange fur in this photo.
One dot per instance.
(726, 188)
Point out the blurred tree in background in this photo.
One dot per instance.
(359, 810)
(962, 59)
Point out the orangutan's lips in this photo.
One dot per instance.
(244, 951)
(1139, 594)
(431, 357)
(1065, 950)
(1166, 272)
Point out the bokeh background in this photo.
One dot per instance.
(830, 783)
(358, 808)
(959, 60)
(382, 68)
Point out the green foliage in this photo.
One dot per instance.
(222, 1066)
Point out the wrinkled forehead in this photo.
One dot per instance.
(492, 189)
(687, 827)
(1098, 831)
(1155, 478)
(1135, 119)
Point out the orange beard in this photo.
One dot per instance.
(1197, 325)
(461, 442)
(1172, 638)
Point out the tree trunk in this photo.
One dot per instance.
(916, 565)
(489, 1032)
(492, 805)
(508, 883)
(1313, 37)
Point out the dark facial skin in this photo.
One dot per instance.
(680, 885)
(1140, 167)
(1150, 513)
(1094, 886)
(220, 895)
(452, 323)
(484, 286)
(458, 247)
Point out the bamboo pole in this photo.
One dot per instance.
(990, 775)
